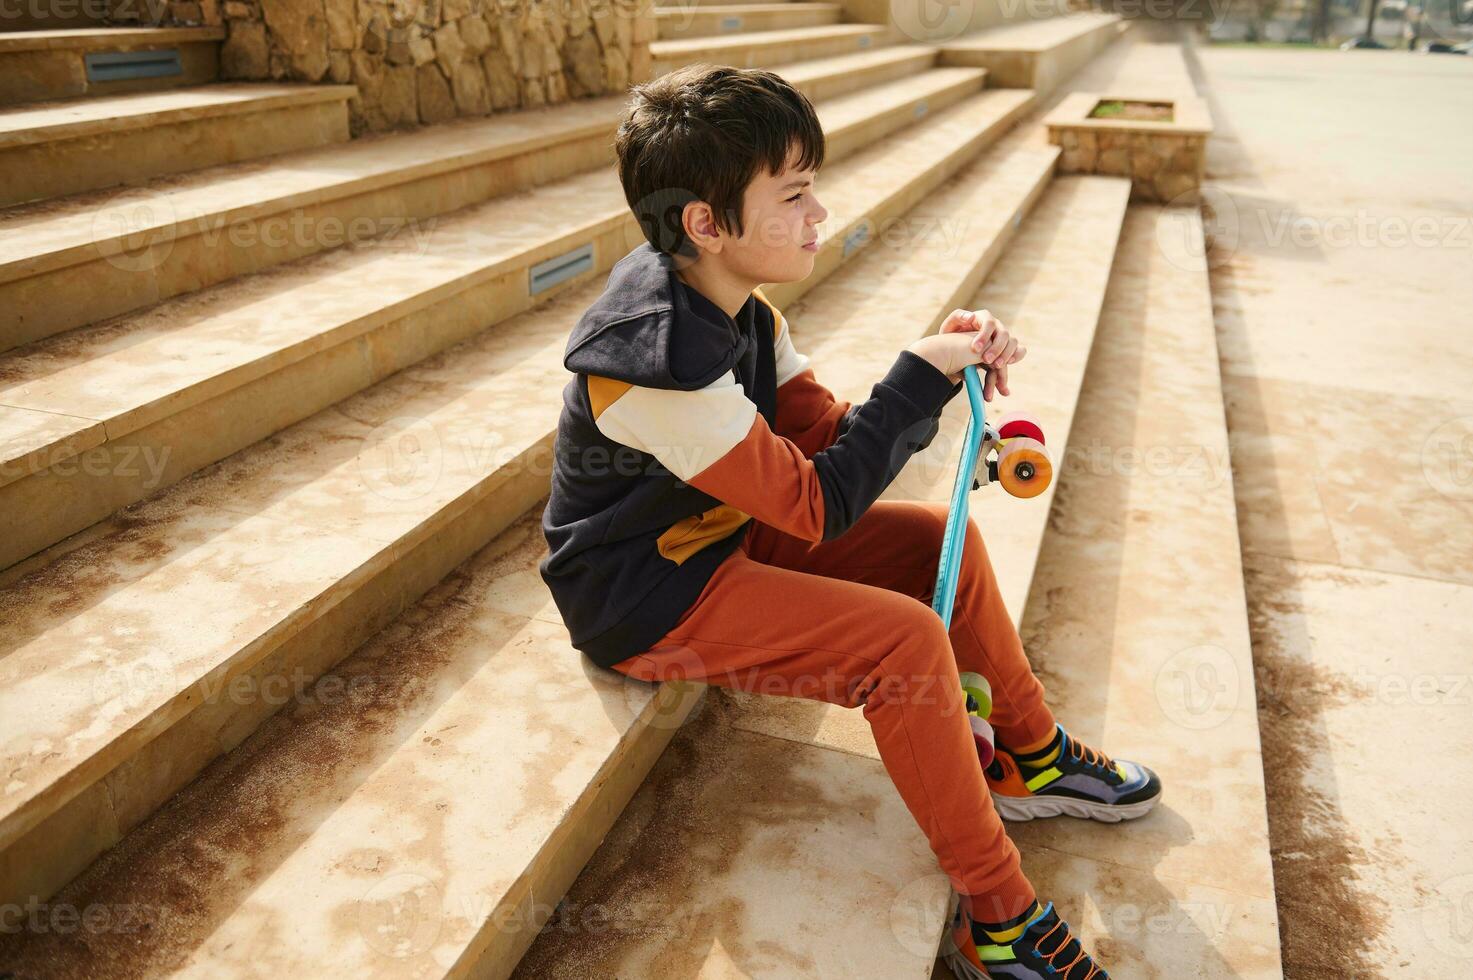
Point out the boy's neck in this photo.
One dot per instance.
(708, 278)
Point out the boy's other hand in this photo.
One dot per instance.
(997, 346)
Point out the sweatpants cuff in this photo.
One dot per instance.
(1035, 728)
(1012, 896)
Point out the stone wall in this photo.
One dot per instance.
(1162, 167)
(426, 61)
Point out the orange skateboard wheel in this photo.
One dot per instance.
(1024, 468)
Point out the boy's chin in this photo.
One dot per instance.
(798, 268)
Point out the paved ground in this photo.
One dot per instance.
(1342, 273)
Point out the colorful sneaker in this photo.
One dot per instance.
(1043, 948)
(1070, 778)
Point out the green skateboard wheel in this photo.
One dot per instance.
(979, 694)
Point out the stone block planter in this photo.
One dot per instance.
(1160, 143)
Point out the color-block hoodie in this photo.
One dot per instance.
(681, 425)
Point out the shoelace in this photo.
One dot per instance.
(1090, 757)
(1065, 939)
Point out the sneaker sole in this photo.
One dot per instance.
(1036, 807)
(958, 965)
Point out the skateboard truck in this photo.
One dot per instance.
(1013, 455)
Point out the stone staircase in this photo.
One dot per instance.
(1036, 54)
(52, 149)
(39, 65)
(281, 686)
(708, 20)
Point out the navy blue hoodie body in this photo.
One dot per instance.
(681, 425)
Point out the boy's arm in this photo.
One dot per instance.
(807, 411)
(809, 414)
(848, 415)
(715, 439)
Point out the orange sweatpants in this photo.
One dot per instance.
(849, 622)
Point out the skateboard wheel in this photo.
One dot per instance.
(1024, 468)
(982, 735)
(979, 694)
(1023, 424)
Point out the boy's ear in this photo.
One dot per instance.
(699, 222)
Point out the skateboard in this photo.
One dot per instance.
(1013, 455)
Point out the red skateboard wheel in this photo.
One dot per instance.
(1023, 424)
(983, 736)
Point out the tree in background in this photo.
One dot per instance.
(1320, 30)
(1371, 18)
(1260, 13)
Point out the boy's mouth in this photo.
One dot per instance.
(811, 246)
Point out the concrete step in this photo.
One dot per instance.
(506, 832)
(1049, 289)
(961, 133)
(41, 65)
(788, 843)
(1034, 54)
(723, 3)
(78, 260)
(680, 21)
(853, 121)
(54, 148)
(825, 78)
(292, 552)
(1138, 623)
(467, 754)
(766, 49)
(34, 16)
(100, 417)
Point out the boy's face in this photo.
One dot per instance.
(779, 240)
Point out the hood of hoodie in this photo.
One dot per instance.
(651, 329)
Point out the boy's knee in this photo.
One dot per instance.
(976, 548)
(919, 667)
(936, 529)
(921, 639)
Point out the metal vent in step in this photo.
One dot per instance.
(560, 268)
(113, 66)
(864, 40)
(856, 239)
(731, 23)
(921, 108)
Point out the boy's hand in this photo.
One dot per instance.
(951, 353)
(997, 346)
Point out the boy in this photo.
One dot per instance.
(714, 511)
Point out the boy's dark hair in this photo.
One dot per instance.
(701, 133)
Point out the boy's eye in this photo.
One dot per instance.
(796, 196)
